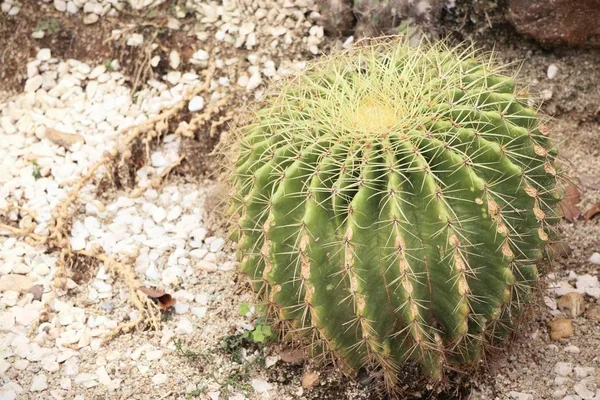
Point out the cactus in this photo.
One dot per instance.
(393, 204)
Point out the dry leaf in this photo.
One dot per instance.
(163, 299)
(292, 356)
(573, 302)
(309, 380)
(15, 283)
(37, 291)
(560, 328)
(568, 205)
(65, 140)
(589, 214)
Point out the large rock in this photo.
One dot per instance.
(558, 22)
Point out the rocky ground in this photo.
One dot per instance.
(109, 112)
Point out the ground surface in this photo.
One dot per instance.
(147, 217)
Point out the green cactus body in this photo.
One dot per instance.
(393, 203)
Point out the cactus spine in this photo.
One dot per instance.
(393, 203)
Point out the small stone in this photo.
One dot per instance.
(160, 379)
(39, 383)
(63, 139)
(44, 55)
(33, 84)
(254, 82)
(154, 355)
(159, 214)
(573, 303)
(260, 386)
(199, 312)
(173, 77)
(174, 213)
(552, 71)
(572, 349)
(200, 55)
(184, 327)
(560, 328)
(520, 396)
(207, 266)
(135, 40)
(174, 59)
(583, 372)
(17, 283)
(583, 391)
(563, 368)
(181, 308)
(309, 380)
(196, 104)
(87, 380)
(26, 316)
(595, 258)
(217, 244)
(60, 5)
(91, 18)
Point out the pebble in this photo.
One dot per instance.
(520, 396)
(160, 379)
(595, 258)
(196, 104)
(199, 312)
(563, 368)
(135, 40)
(184, 327)
(260, 386)
(581, 389)
(174, 59)
(552, 71)
(39, 383)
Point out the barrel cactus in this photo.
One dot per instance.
(393, 202)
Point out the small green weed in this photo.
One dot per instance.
(36, 170)
(51, 25)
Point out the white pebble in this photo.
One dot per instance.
(184, 327)
(39, 383)
(160, 379)
(254, 82)
(260, 386)
(552, 71)
(135, 39)
(563, 368)
(199, 312)
(174, 59)
(44, 55)
(595, 258)
(196, 104)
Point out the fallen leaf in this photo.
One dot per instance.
(37, 291)
(589, 214)
(63, 139)
(309, 380)
(163, 299)
(568, 205)
(560, 328)
(573, 302)
(16, 283)
(292, 356)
